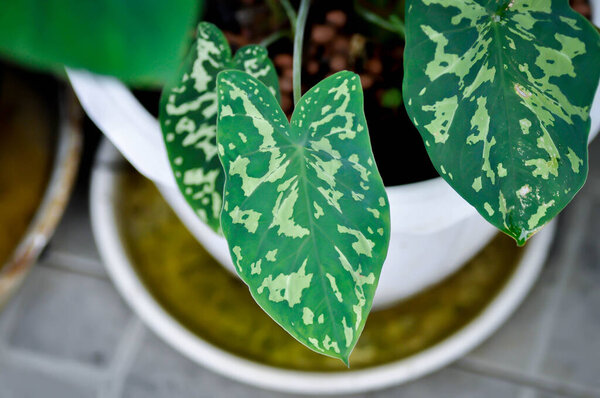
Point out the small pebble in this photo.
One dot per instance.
(285, 84)
(288, 73)
(338, 63)
(286, 104)
(367, 81)
(398, 53)
(584, 9)
(322, 34)
(374, 66)
(336, 18)
(236, 40)
(341, 44)
(312, 67)
(283, 61)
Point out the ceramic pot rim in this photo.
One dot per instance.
(107, 235)
(55, 198)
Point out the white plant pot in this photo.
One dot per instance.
(434, 230)
(105, 223)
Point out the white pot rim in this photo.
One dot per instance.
(134, 131)
(60, 182)
(107, 235)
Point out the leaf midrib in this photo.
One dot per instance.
(313, 227)
(322, 279)
(510, 131)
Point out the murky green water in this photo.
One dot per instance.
(210, 302)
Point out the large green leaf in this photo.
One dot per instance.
(137, 41)
(306, 215)
(188, 116)
(500, 92)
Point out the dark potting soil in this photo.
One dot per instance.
(582, 7)
(337, 38)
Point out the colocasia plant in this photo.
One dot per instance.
(500, 91)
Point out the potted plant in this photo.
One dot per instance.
(213, 116)
(301, 203)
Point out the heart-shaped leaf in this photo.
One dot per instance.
(500, 92)
(306, 214)
(188, 116)
(140, 42)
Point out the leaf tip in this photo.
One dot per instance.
(522, 236)
(346, 360)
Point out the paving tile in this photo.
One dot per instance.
(521, 332)
(574, 345)
(73, 244)
(69, 316)
(160, 371)
(515, 344)
(73, 237)
(19, 382)
(558, 394)
(594, 158)
(453, 383)
(542, 394)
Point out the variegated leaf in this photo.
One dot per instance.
(140, 42)
(500, 92)
(306, 215)
(188, 116)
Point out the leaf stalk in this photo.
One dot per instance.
(394, 24)
(280, 34)
(291, 13)
(298, 44)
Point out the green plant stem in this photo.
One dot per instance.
(275, 7)
(272, 38)
(298, 43)
(291, 13)
(397, 26)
